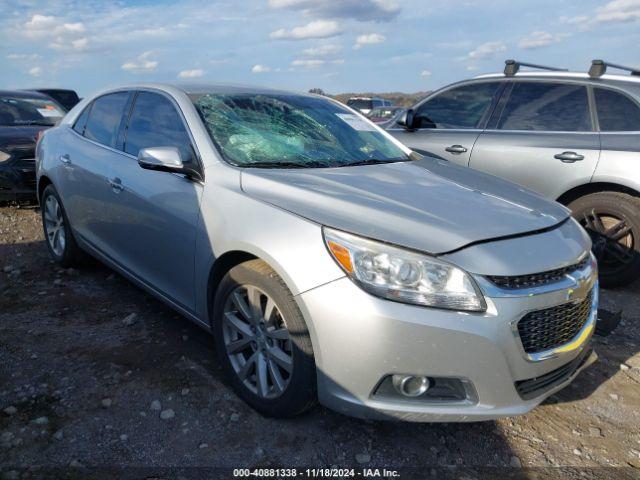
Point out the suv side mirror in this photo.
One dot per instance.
(406, 119)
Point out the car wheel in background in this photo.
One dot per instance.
(57, 231)
(263, 342)
(613, 221)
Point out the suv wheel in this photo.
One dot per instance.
(263, 342)
(613, 221)
(57, 231)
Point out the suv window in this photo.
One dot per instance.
(545, 106)
(154, 122)
(105, 117)
(460, 107)
(616, 112)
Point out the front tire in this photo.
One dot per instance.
(57, 231)
(263, 342)
(613, 222)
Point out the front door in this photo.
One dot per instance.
(447, 124)
(542, 137)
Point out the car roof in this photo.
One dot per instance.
(611, 79)
(23, 94)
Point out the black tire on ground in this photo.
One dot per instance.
(300, 393)
(613, 221)
(71, 255)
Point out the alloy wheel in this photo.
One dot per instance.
(613, 240)
(54, 225)
(257, 341)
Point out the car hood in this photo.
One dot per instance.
(428, 204)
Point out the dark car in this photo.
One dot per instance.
(67, 98)
(22, 116)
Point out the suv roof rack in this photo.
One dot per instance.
(511, 67)
(599, 67)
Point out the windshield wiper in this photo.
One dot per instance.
(373, 161)
(285, 165)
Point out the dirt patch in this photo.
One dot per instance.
(81, 380)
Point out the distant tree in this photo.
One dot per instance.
(317, 91)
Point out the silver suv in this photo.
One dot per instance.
(327, 259)
(572, 137)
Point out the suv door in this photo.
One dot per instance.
(157, 212)
(541, 136)
(87, 152)
(447, 124)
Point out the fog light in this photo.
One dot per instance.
(410, 385)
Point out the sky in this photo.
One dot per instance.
(336, 45)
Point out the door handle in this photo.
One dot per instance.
(116, 184)
(456, 149)
(66, 159)
(569, 157)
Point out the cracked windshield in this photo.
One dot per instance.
(292, 131)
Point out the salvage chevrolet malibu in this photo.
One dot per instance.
(330, 262)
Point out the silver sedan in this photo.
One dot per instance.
(330, 262)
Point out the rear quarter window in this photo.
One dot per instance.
(616, 111)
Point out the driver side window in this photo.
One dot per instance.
(456, 108)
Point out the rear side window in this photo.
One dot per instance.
(105, 117)
(155, 122)
(546, 107)
(616, 112)
(460, 107)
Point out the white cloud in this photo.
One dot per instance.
(425, 73)
(308, 63)
(486, 50)
(315, 29)
(35, 71)
(580, 19)
(260, 69)
(360, 10)
(23, 56)
(61, 35)
(540, 38)
(142, 64)
(194, 73)
(369, 39)
(322, 50)
(619, 11)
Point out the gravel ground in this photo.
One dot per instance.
(96, 373)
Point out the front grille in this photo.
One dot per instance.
(536, 279)
(534, 387)
(549, 328)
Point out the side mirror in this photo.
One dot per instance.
(406, 119)
(164, 159)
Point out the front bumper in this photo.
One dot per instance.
(360, 339)
(18, 179)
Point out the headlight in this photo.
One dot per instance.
(403, 275)
(4, 156)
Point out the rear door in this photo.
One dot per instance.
(157, 212)
(448, 123)
(86, 155)
(542, 136)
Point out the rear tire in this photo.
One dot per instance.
(613, 222)
(263, 342)
(58, 236)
